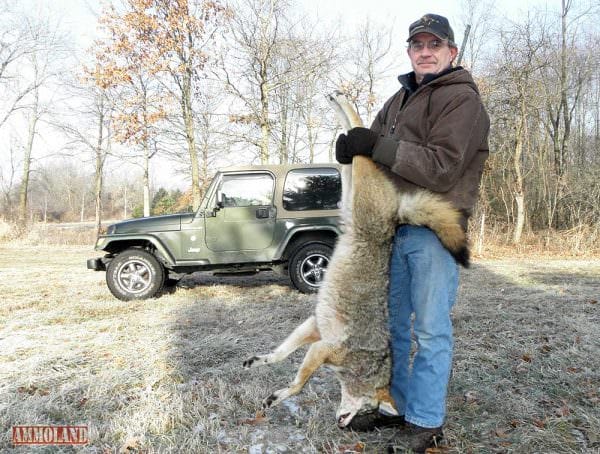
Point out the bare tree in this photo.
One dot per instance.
(86, 125)
(8, 178)
(183, 43)
(39, 67)
(120, 66)
(272, 52)
(299, 105)
(479, 14)
(564, 79)
(369, 61)
(515, 81)
(16, 43)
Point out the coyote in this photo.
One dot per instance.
(349, 329)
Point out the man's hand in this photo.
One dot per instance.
(342, 154)
(358, 141)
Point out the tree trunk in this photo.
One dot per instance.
(521, 137)
(520, 221)
(188, 119)
(265, 131)
(82, 214)
(99, 166)
(480, 240)
(24, 187)
(146, 180)
(125, 203)
(204, 171)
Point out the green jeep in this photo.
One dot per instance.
(252, 218)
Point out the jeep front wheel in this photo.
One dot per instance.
(307, 266)
(135, 274)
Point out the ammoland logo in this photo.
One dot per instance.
(49, 435)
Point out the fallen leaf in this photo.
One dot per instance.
(470, 397)
(515, 423)
(526, 357)
(593, 397)
(259, 418)
(563, 411)
(539, 423)
(350, 449)
(500, 433)
(438, 450)
(32, 389)
(545, 348)
(593, 302)
(573, 370)
(131, 444)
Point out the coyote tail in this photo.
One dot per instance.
(430, 210)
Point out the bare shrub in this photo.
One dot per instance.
(6, 231)
(40, 233)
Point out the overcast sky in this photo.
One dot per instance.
(78, 16)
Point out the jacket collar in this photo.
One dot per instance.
(409, 82)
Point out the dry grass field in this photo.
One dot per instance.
(164, 375)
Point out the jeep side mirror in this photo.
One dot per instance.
(220, 198)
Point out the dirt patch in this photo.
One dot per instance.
(164, 375)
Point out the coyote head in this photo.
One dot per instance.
(365, 402)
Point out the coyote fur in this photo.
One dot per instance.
(349, 328)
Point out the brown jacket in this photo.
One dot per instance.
(438, 139)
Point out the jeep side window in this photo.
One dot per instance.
(247, 190)
(312, 189)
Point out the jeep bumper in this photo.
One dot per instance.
(96, 264)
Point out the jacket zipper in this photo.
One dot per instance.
(405, 105)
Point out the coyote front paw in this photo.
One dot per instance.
(273, 399)
(255, 361)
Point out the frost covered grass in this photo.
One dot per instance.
(164, 375)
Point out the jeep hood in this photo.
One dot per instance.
(166, 223)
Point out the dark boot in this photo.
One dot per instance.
(413, 438)
(374, 420)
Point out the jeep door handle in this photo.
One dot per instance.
(266, 213)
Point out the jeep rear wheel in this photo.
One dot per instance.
(135, 274)
(308, 265)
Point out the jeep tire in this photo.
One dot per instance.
(307, 266)
(135, 274)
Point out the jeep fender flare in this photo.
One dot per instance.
(116, 244)
(284, 248)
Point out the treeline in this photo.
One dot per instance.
(200, 84)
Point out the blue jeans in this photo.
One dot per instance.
(423, 282)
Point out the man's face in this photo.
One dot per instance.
(426, 58)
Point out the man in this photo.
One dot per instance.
(432, 134)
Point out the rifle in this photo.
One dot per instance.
(462, 47)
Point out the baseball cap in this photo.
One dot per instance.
(434, 24)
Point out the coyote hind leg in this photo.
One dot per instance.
(317, 355)
(305, 333)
